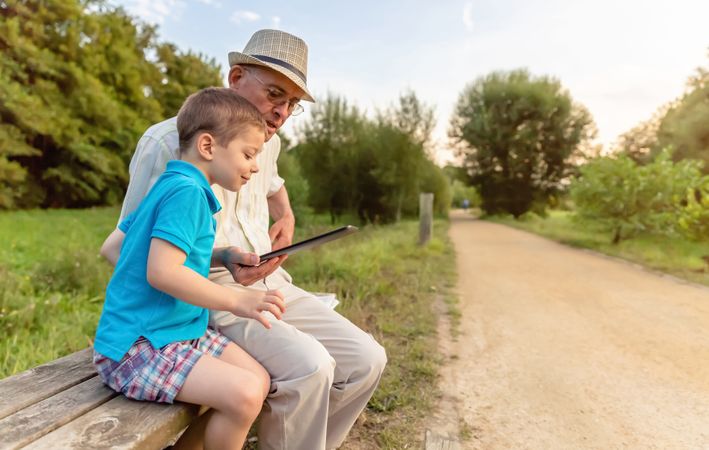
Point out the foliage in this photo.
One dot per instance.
(182, 74)
(630, 199)
(372, 168)
(685, 127)
(330, 158)
(640, 143)
(693, 218)
(519, 136)
(76, 91)
(296, 184)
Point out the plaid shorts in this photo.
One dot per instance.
(157, 375)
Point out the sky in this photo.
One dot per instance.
(621, 59)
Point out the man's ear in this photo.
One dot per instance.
(205, 146)
(236, 73)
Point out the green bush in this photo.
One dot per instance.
(694, 216)
(629, 199)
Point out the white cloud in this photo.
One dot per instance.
(276, 22)
(244, 16)
(215, 3)
(155, 11)
(468, 16)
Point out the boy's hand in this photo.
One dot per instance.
(242, 266)
(251, 305)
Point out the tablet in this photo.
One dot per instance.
(312, 242)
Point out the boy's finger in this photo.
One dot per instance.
(277, 293)
(263, 320)
(273, 309)
(278, 301)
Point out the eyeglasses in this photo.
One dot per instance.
(277, 97)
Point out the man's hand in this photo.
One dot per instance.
(241, 265)
(281, 232)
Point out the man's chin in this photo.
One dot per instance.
(269, 133)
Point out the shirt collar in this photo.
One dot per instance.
(191, 171)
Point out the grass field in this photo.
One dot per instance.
(676, 256)
(52, 282)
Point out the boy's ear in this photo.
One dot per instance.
(205, 146)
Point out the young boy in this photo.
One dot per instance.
(152, 341)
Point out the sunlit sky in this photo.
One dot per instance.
(622, 59)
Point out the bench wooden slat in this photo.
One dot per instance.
(121, 424)
(33, 422)
(41, 382)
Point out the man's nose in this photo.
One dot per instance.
(282, 109)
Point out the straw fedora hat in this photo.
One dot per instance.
(279, 51)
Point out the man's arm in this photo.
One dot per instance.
(111, 247)
(147, 164)
(243, 265)
(281, 232)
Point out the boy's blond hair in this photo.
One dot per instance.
(220, 112)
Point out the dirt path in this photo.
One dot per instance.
(563, 349)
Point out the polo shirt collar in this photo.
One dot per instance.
(189, 170)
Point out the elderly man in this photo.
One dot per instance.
(323, 368)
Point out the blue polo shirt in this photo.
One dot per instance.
(178, 209)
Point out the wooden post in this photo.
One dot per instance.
(425, 217)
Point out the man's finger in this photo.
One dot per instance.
(274, 231)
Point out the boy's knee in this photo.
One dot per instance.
(246, 398)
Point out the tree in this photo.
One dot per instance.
(684, 127)
(181, 75)
(641, 143)
(330, 157)
(518, 135)
(401, 140)
(372, 168)
(76, 92)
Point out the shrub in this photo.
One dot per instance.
(629, 199)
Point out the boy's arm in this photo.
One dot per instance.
(111, 247)
(167, 273)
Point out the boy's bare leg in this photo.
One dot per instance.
(193, 437)
(235, 386)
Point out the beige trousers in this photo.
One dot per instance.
(323, 368)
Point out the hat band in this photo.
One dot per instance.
(281, 63)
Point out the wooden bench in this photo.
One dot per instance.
(64, 405)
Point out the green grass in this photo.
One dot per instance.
(52, 283)
(673, 255)
(388, 286)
